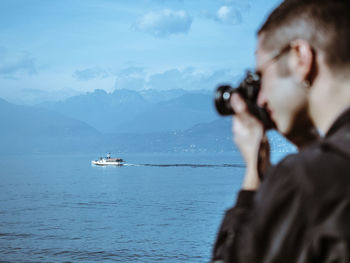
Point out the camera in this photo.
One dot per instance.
(248, 89)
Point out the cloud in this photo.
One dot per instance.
(228, 15)
(165, 23)
(190, 79)
(90, 73)
(171, 79)
(130, 71)
(133, 78)
(14, 64)
(231, 13)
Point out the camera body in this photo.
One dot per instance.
(248, 89)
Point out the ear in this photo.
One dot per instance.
(301, 60)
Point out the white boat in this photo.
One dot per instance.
(108, 161)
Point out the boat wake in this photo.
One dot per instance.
(187, 165)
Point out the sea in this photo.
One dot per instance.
(155, 208)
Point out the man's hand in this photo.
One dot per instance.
(248, 134)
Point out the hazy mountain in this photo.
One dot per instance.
(32, 129)
(28, 96)
(155, 96)
(174, 115)
(27, 128)
(102, 110)
(208, 137)
(138, 112)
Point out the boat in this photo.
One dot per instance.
(108, 160)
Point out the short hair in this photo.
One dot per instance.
(324, 24)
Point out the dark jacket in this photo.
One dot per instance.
(301, 212)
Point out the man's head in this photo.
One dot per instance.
(324, 24)
(314, 37)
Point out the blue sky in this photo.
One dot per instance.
(59, 48)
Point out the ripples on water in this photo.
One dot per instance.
(156, 209)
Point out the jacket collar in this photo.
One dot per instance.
(343, 119)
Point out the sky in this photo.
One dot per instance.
(53, 49)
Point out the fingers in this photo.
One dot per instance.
(242, 113)
(247, 130)
(238, 104)
(241, 109)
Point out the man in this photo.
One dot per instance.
(300, 212)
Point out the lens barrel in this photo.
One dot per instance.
(222, 100)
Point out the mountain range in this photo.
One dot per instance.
(122, 121)
(28, 128)
(126, 111)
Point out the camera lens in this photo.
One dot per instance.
(222, 100)
(248, 89)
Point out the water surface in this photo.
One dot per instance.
(158, 208)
